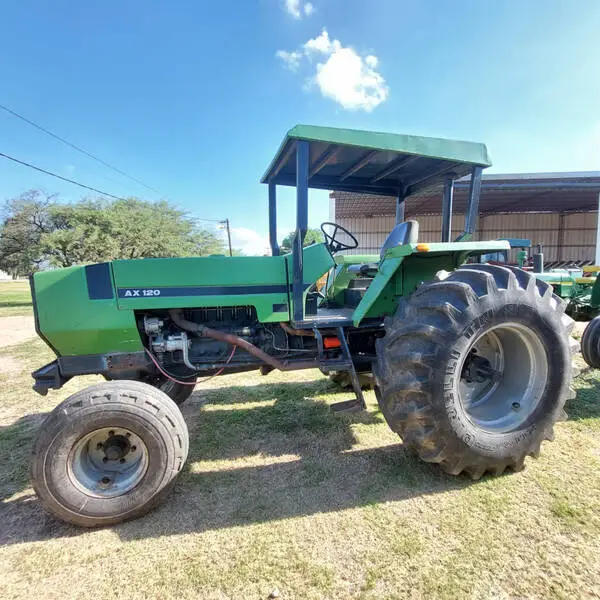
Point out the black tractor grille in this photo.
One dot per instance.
(235, 315)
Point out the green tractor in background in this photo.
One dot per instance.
(579, 287)
(471, 362)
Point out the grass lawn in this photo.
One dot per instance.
(281, 494)
(15, 298)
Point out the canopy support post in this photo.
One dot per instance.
(400, 208)
(472, 205)
(302, 160)
(273, 219)
(447, 208)
(597, 261)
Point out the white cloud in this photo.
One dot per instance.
(340, 73)
(322, 44)
(250, 242)
(372, 61)
(291, 59)
(297, 9)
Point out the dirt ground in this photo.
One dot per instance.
(16, 330)
(579, 327)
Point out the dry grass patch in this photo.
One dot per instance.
(280, 493)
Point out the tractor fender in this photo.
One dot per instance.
(420, 262)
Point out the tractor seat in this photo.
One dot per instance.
(406, 232)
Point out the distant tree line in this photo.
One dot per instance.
(38, 231)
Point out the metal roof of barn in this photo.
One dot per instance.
(500, 193)
(370, 162)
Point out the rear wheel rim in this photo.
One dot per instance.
(108, 462)
(503, 378)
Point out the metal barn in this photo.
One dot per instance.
(558, 210)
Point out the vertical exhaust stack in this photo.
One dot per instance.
(538, 260)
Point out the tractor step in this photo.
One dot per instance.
(354, 405)
(347, 406)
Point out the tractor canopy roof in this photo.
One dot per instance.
(374, 163)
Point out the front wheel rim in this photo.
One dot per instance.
(108, 462)
(503, 377)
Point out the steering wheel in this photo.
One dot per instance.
(331, 232)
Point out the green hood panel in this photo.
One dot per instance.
(90, 309)
(73, 323)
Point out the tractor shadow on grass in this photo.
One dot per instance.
(586, 404)
(261, 453)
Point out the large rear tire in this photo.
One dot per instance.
(474, 370)
(108, 453)
(590, 343)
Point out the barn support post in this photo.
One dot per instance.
(399, 208)
(561, 237)
(447, 208)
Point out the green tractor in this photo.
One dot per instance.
(579, 287)
(472, 362)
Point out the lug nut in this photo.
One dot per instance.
(133, 448)
(122, 460)
(105, 459)
(516, 406)
(99, 446)
(111, 433)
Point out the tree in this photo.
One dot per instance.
(24, 221)
(313, 236)
(81, 233)
(37, 231)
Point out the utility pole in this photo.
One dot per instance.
(226, 223)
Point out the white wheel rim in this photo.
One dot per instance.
(513, 361)
(108, 462)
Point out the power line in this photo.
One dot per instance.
(87, 187)
(82, 185)
(88, 154)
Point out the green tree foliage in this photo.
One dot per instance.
(37, 232)
(24, 221)
(313, 236)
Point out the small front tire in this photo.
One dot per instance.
(178, 392)
(108, 453)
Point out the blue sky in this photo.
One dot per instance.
(194, 97)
